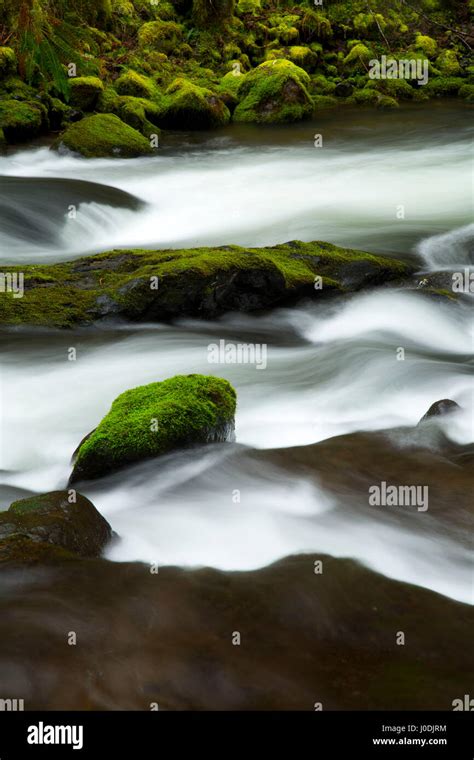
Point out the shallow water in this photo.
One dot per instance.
(331, 368)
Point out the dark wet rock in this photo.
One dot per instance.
(440, 408)
(65, 519)
(305, 638)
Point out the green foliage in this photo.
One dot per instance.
(212, 12)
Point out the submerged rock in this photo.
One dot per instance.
(142, 285)
(157, 418)
(305, 637)
(65, 519)
(104, 136)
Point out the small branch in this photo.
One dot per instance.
(379, 27)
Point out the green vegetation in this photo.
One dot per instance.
(155, 419)
(104, 136)
(177, 57)
(149, 285)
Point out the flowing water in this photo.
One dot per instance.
(331, 368)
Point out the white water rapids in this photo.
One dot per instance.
(332, 368)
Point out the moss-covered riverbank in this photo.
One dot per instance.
(141, 285)
(194, 64)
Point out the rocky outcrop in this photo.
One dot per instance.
(142, 285)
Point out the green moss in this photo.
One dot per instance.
(155, 419)
(316, 25)
(133, 83)
(104, 135)
(20, 120)
(322, 86)
(139, 113)
(188, 106)
(303, 57)
(396, 88)
(190, 281)
(18, 550)
(426, 44)
(8, 62)
(443, 86)
(231, 82)
(249, 6)
(163, 36)
(467, 92)
(447, 63)
(274, 92)
(85, 92)
(324, 101)
(358, 57)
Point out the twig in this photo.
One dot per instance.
(379, 27)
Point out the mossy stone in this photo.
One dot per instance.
(443, 86)
(303, 57)
(426, 44)
(163, 36)
(65, 519)
(20, 120)
(275, 92)
(447, 64)
(135, 84)
(8, 61)
(85, 92)
(104, 136)
(155, 419)
(187, 106)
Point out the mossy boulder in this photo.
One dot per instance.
(135, 84)
(163, 36)
(139, 113)
(150, 286)
(65, 519)
(22, 121)
(447, 64)
(275, 92)
(104, 136)
(303, 57)
(187, 106)
(358, 57)
(248, 6)
(443, 86)
(426, 45)
(155, 419)
(8, 61)
(467, 92)
(85, 92)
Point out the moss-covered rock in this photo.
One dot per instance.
(135, 84)
(104, 136)
(65, 519)
(8, 61)
(139, 113)
(22, 121)
(443, 86)
(358, 57)
(155, 419)
(467, 92)
(188, 106)
(303, 57)
(163, 36)
(426, 44)
(275, 92)
(447, 64)
(248, 6)
(85, 92)
(142, 285)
